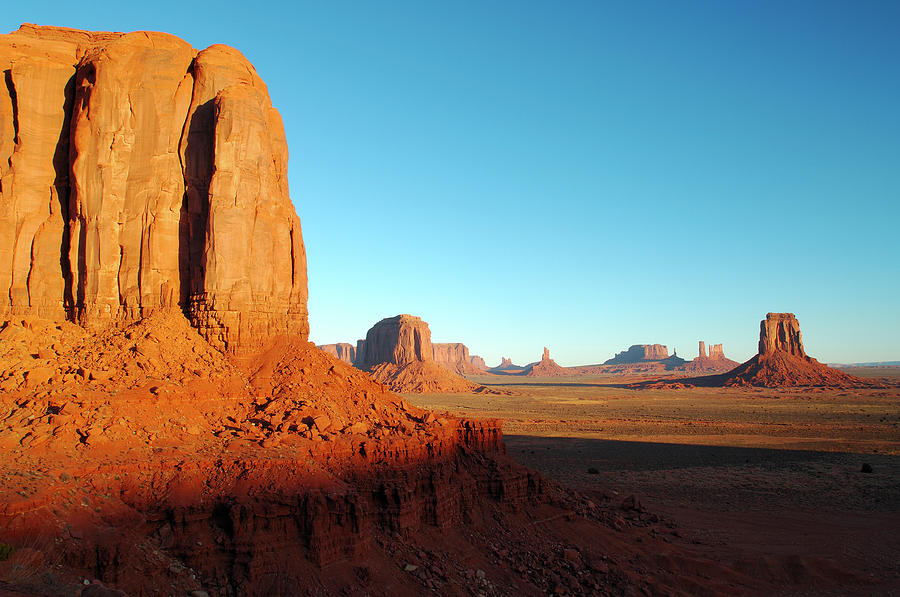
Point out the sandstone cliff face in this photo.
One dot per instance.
(397, 340)
(342, 350)
(454, 356)
(478, 363)
(780, 332)
(640, 352)
(716, 351)
(398, 353)
(138, 174)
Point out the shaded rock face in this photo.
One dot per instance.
(396, 340)
(342, 350)
(454, 356)
(138, 174)
(398, 353)
(450, 353)
(780, 332)
(640, 352)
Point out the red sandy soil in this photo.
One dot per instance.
(768, 481)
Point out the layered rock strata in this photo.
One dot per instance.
(138, 174)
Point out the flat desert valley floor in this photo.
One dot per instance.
(735, 471)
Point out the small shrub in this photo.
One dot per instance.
(6, 550)
(866, 468)
(593, 471)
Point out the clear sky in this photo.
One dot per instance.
(580, 175)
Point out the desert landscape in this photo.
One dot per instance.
(168, 426)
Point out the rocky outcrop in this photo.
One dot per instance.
(478, 363)
(546, 367)
(397, 340)
(455, 357)
(506, 366)
(780, 333)
(639, 353)
(712, 363)
(137, 174)
(782, 361)
(398, 353)
(342, 350)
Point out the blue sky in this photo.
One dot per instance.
(580, 175)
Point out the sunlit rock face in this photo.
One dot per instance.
(137, 173)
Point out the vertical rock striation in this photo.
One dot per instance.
(342, 350)
(137, 174)
(454, 356)
(782, 361)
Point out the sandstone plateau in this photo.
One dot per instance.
(638, 353)
(398, 353)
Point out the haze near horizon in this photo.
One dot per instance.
(586, 177)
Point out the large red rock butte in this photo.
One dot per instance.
(139, 174)
(782, 361)
(398, 353)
